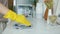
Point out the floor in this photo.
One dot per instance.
(39, 26)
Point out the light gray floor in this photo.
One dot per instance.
(39, 26)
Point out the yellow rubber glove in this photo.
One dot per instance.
(18, 18)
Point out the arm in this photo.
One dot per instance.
(13, 16)
(3, 9)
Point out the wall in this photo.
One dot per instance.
(58, 7)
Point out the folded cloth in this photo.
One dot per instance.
(49, 4)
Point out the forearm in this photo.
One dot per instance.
(3, 9)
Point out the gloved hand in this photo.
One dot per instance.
(18, 18)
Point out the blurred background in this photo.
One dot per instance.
(34, 11)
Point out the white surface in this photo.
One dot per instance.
(40, 9)
(38, 27)
(50, 12)
(58, 8)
